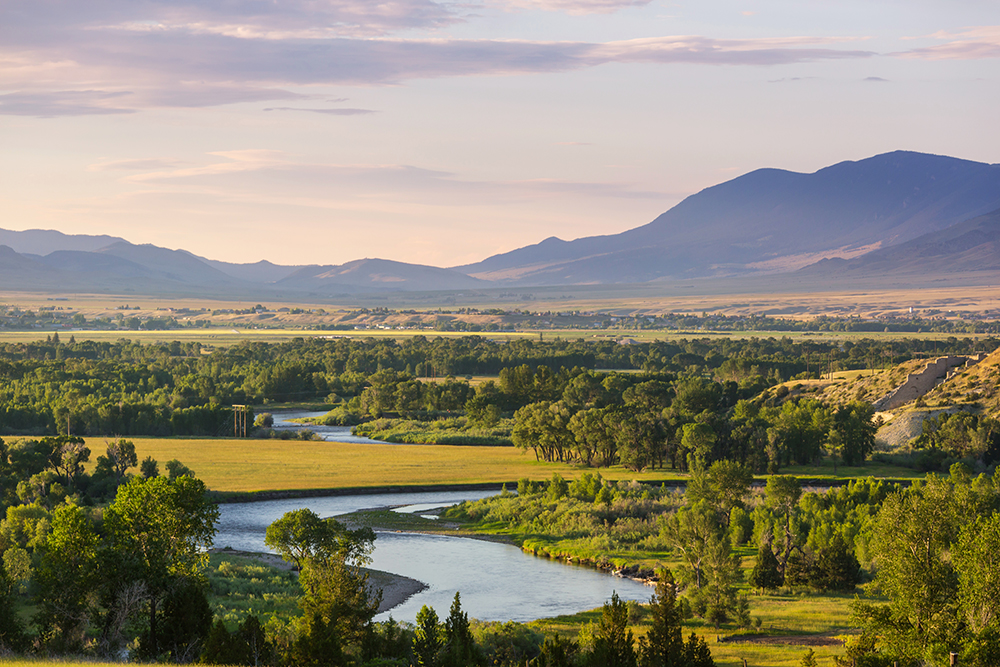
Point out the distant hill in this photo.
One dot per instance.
(376, 275)
(45, 241)
(768, 221)
(124, 268)
(970, 246)
(258, 272)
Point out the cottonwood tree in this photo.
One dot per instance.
(67, 580)
(159, 530)
(331, 559)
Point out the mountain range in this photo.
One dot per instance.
(897, 214)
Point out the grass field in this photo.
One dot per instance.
(817, 622)
(268, 465)
(231, 465)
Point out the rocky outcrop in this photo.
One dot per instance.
(919, 383)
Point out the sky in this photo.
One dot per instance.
(322, 131)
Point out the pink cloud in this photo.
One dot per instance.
(969, 44)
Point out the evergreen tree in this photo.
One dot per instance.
(317, 645)
(556, 652)
(766, 573)
(427, 642)
(696, 653)
(663, 645)
(837, 569)
(220, 649)
(460, 646)
(614, 645)
(11, 628)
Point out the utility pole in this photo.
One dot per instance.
(240, 420)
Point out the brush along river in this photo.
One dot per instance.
(498, 582)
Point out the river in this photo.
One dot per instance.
(497, 582)
(282, 422)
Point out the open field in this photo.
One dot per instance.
(791, 624)
(567, 311)
(231, 465)
(241, 466)
(223, 337)
(778, 296)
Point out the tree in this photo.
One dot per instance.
(977, 559)
(69, 453)
(186, 620)
(614, 645)
(766, 574)
(722, 570)
(691, 531)
(427, 641)
(67, 579)
(118, 458)
(177, 469)
(698, 439)
(12, 636)
(594, 436)
(912, 535)
(837, 568)
(331, 559)
(159, 530)
(459, 644)
(663, 645)
(149, 468)
(556, 652)
(853, 432)
(782, 495)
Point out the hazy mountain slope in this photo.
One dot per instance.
(377, 275)
(45, 241)
(258, 272)
(175, 265)
(769, 219)
(973, 245)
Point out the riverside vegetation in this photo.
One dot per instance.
(106, 559)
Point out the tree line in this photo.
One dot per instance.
(127, 388)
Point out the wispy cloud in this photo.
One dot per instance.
(575, 7)
(214, 52)
(62, 103)
(329, 112)
(240, 175)
(969, 44)
(139, 164)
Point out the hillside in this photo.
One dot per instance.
(973, 245)
(769, 220)
(376, 275)
(975, 387)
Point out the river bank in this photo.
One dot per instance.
(396, 588)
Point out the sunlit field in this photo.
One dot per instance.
(232, 465)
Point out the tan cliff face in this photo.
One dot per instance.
(920, 383)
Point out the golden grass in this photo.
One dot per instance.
(232, 465)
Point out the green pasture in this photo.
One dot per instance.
(790, 626)
(251, 465)
(248, 465)
(223, 336)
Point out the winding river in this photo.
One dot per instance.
(282, 422)
(497, 582)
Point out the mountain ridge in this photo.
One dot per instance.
(765, 215)
(870, 217)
